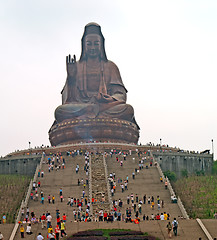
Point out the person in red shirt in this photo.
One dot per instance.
(158, 216)
(105, 215)
(86, 216)
(31, 195)
(64, 217)
(43, 218)
(58, 220)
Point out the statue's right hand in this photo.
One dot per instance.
(71, 65)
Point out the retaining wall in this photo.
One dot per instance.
(22, 165)
(177, 162)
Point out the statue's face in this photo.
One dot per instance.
(93, 45)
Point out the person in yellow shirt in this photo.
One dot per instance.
(22, 231)
(50, 229)
(62, 228)
(165, 216)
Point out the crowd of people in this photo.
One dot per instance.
(45, 220)
(132, 208)
(134, 203)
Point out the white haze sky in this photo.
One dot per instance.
(166, 52)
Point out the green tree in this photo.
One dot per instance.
(184, 173)
(214, 168)
(170, 175)
(200, 173)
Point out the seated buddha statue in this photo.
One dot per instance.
(93, 88)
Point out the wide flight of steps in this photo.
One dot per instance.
(147, 181)
(67, 179)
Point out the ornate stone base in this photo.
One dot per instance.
(93, 130)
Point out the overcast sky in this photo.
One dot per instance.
(166, 52)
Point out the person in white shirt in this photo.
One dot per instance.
(40, 237)
(175, 226)
(49, 218)
(28, 229)
(162, 217)
(1, 236)
(51, 235)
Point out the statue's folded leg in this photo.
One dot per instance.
(84, 110)
(75, 110)
(121, 111)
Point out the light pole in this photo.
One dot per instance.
(29, 145)
(160, 145)
(212, 149)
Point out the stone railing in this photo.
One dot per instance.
(24, 203)
(204, 229)
(90, 145)
(179, 201)
(90, 186)
(34, 180)
(160, 171)
(169, 186)
(108, 188)
(182, 208)
(158, 167)
(99, 184)
(172, 192)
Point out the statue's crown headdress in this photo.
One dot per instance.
(93, 28)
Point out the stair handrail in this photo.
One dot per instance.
(107, 182)
(90, 186)
(25, 202)
(172, 192)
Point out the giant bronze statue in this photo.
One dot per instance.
(94, 98)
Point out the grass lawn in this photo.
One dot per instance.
(107, 231)
(198, 194)
(12, 189)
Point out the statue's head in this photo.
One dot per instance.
(93, 43)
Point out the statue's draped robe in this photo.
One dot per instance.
(80, 91)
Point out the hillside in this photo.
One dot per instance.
(198, 194)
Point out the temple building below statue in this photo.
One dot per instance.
(94, 107)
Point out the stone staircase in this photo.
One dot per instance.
(147, 181)
(67, 179)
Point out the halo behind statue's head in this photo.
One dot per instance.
(93, 28)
